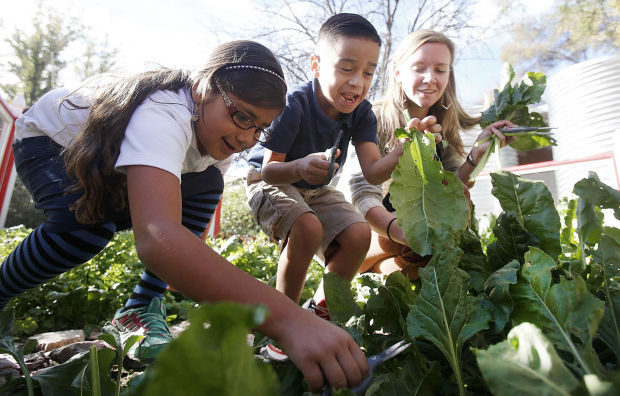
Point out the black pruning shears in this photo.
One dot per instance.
(373, 362)
(331, 157)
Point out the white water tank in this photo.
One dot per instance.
(584, 105)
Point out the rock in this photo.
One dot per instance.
(62, 354)
(56, 339)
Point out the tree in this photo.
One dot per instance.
(37, 56)
(293, 27)
(570, 32)
(37, 63)
(98, 58)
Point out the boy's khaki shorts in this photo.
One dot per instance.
(276, 208)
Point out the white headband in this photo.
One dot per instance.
(252, 67)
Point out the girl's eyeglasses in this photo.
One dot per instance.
(242, 120)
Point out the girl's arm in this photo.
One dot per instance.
(185, 262)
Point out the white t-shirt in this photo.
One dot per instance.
(160, 132)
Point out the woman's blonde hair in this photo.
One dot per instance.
(389, 110)
(91, 157)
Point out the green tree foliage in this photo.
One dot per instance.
(37, 59)
(97, 58)
(571, 31)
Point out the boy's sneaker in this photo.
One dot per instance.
(149, 322)
(320, 309)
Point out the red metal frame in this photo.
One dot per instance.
(553, 165)
(6, 165)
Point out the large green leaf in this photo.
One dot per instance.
(427, 199)
(444, 313)
(383, 313)
(497, 287)
(594, 196)
(525, 364)
(608, 256)
(474, 261)
(565, 311)
(598, 193)
(512, 241)
(340, 300)
(533, 205)
(213, 360)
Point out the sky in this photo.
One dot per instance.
(181, 33)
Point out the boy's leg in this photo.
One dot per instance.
(201, 193)
(346, 238)
(60, 243)
(303, 241)
(284, 216)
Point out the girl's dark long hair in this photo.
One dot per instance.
(91, 157)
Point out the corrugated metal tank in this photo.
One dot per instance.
(584, 104)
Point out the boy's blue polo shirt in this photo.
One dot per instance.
(303, 128)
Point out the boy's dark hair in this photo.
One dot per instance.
(348, 25)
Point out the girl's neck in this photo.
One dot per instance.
(416, 111)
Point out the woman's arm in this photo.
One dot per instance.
(184, 261)
(477, 152)
(368, 200)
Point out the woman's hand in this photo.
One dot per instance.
(493, 129)
(427, 124)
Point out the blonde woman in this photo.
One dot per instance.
(422, 82)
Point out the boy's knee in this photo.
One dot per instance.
(308, 227)
(356, 237)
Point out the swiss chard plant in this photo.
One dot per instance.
(534, 310)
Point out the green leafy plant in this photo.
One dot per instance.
(512, 104)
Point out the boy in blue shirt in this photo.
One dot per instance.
(288, 189)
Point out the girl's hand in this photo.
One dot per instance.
(324, 352)
(314, 167)
(490, 130)
(427, 124)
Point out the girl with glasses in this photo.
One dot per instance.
(145, 152)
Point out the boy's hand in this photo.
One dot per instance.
(314, 167)
(427, 124)
(323, 351)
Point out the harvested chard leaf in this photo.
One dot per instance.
(428, 200)
(511, 103)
